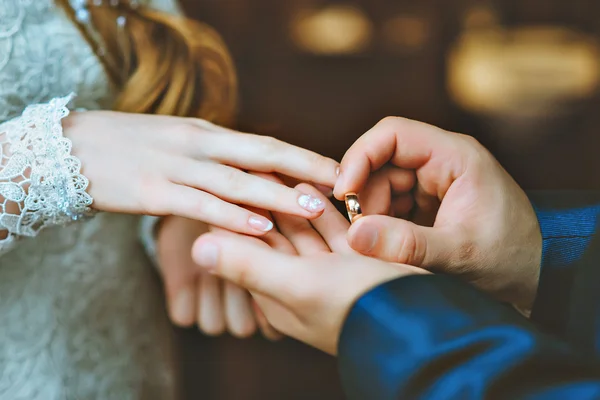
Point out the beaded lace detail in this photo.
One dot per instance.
(40, 179)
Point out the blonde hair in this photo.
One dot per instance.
(163, 64)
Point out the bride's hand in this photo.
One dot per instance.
(161, 165)
(195, 297)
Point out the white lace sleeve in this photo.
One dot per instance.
(40, 181)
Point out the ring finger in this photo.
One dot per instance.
(331, 226)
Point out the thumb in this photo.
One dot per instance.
(247, 262)
(400, 241)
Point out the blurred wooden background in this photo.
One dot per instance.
(325, 101)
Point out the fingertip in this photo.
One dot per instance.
(260, 224)
(329, 172)
(206, 237)
(338, 194)
(179, 322)
(181, 307)
(214, 330)
(210, 319)
(274, 336)
(363, 236)
(245, 330)
(332, 178)
(351, 180)
(312, 202)
(313, 216)
(315, 194)
(339, 190)
(205, 252)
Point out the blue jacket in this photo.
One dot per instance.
(434, 337)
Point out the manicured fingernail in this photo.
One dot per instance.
(364, 238)
(311, 203)
(260, 223)
(183, 306)
(207, 256)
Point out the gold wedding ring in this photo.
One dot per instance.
(353, 207)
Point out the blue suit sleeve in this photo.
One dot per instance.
(433, 337)
(566, 234)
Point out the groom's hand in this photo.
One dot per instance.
(304, 276)
(476, 221)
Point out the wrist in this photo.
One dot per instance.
(41, 175)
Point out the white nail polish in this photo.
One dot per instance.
(261, 224)
(311, 203)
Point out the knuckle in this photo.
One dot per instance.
(470, 141)
(466, 252)
(269, 144)
(212, 211)
(478, 154)
(234, 180)
(388, 121)
(412, 248)
(187, 135)
(151, 198)
(317, 161)
(246, 278)
(271, 177)
(201, 206)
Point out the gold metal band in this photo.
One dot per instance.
(353, 207)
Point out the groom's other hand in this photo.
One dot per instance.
(441, 201)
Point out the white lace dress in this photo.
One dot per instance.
(81, 309)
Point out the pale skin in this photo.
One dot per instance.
(198, 298)
(470, 218)
(304, 276)
(478, 224)
(193, 173)
(446, 181)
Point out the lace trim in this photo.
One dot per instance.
(41, 182)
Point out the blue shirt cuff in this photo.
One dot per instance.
(566, 234)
